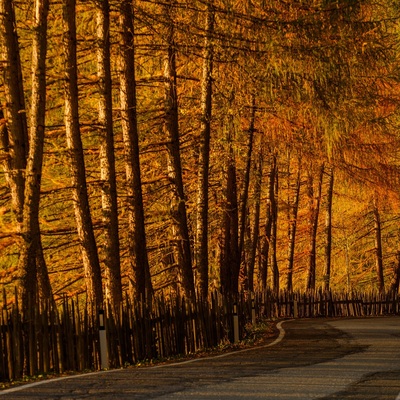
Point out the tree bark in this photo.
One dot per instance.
(292, 213)
(15, 137)
(178, 201)
(256, 226)
(111, 244)
(314, 214)
(245, 194)
(394, 285)
(201, 244)
(266, 246)
(230, 266)
(378, 248)
(83, 219)
(31, 262)
(137, 234)
(274, 232)
(328, 231)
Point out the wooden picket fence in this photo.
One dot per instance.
(65, 337)
(327, 304)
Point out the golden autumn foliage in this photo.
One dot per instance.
(324, 76)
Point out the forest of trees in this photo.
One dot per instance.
(189, 146)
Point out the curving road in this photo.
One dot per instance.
(316, 358)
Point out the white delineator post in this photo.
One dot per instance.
(103, 341)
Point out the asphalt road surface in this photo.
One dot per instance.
(313, 358)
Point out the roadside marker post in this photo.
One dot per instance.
(235, 324)
(253, 310)
(103, 341)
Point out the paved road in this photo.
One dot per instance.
(319, 358)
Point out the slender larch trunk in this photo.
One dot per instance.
(137, 234)
(80, 199)
(201, 244)
(328, 231)
(178, 201)
(313, 228)
(111, 245)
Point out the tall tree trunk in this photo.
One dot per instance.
(266, 245)
(111, 245)
(31, 261)
(328, 230)
(315, 202)
(274, 233)
(178, 203)
(347, 262)
(292, 214)
(15, 137)
(137, 233)
(378, 247)
(245, 194)
(256, 227)
(230, 266)
(83, 219)
(201, 244)
(43, 279)
(394, 285)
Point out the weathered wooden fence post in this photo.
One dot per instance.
(295, 309)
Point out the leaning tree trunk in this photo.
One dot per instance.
(328, 231)
(378, 248)
(111, 245)
(80, 199)
(178, 201)
(201, 243)
(137, 234)
(314, 214)
(31, 260)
